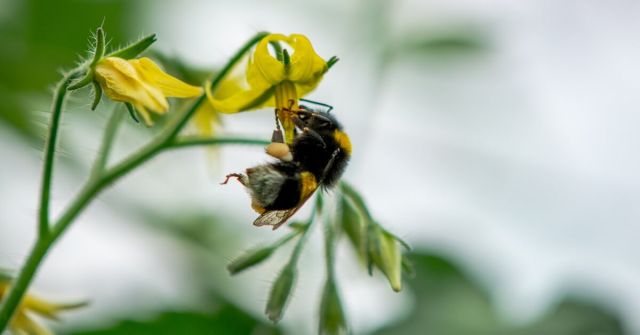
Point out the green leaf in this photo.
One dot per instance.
(447, 301)
(227, 319)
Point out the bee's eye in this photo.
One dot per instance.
(303, 116)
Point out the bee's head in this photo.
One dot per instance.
(321, 122)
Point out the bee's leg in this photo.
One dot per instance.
(242, 179)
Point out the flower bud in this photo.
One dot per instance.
(280, 293)
(249, 259)
(384, 251)
(332, 318)
(353, 225)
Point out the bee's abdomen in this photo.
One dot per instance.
(275, 186)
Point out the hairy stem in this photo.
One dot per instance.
(191, 141)
(107, 143)
(49, 152)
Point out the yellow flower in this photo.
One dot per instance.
(23, 321)
(273, 82)
(142, 83)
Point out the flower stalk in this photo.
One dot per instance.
(49, 153)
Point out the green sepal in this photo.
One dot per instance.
(407, 267)
(280, 293)
(134, 49)
(132, 112)
(97, 95)
(98, 52)
(286, 59)
(86, 80)
(100, 48)
(332, 61)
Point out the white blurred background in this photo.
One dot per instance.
(500, 133)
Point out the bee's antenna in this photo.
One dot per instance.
(319, 104)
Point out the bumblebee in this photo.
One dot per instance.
(316, 159)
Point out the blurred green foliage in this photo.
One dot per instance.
(448, 302)
(41, 37)
(227, 319)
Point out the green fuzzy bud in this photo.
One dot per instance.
(353, 225)
(249, 259)
(332, 318)
(280, 293)
(134, 49)
(384, 251)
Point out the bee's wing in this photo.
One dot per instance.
(274, 218)
(278, 217)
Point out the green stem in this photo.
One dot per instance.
(330, 246)
(49, 153)
(93, 186)
(107, 143)
(191, 141)
(317, 210)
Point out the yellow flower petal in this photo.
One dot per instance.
(206, 119)
(242, 100)
(306, 65)
(305, 88)
(122, 82)
(264, 73)
(22, 321)
(170, 86)
(145, 114)
(264, 69)
(142, 83)
(23, 324)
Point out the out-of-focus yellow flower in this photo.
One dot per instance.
(272, 82)
(142, 83)
(23, 322)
